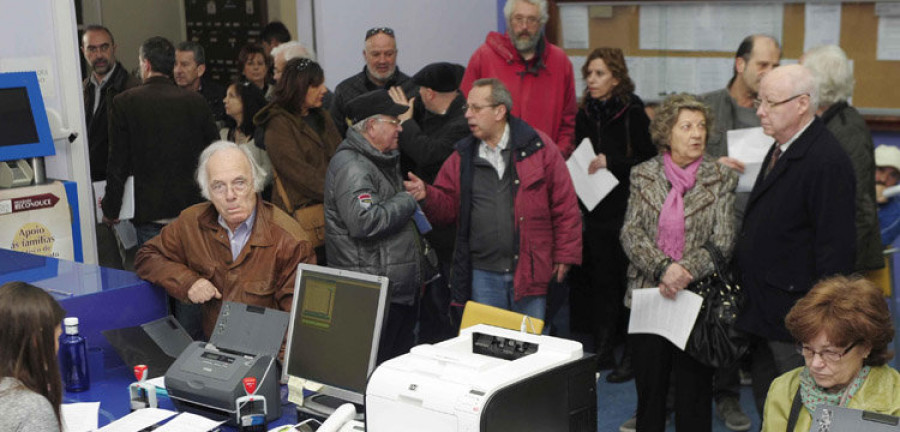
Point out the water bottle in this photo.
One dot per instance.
(73, 358)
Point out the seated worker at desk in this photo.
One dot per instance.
(236, 247)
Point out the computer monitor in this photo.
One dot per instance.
(24, 129)
(335, 327)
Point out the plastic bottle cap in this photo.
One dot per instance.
(71, 321)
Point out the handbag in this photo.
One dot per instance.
(311, 218)
(714, 341)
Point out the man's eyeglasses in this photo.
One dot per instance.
(759, 102)
(531, 21)
(829, 356)
(93, 49)
(477, 108)
(375, 30)
(239, 186)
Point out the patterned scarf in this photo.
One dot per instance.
(670, 236)
(812, 395)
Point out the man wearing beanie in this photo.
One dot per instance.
(887, 175)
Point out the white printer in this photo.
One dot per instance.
(486, 379)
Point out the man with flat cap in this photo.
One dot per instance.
(369, 224)
(435, 121)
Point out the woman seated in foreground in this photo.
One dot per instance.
(30, 383)
(844, 327)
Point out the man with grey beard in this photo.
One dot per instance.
(537, 73)
(380, 72)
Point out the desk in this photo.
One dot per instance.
(112, 393)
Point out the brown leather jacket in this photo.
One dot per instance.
(195, 246)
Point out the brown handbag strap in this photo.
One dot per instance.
(282, 192)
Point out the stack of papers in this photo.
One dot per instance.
(671, 319)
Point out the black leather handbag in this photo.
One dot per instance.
(714, 341)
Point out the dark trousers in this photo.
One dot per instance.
(110, 253)
(656, 361)
(398, 332)
(434, 317)
(770, 359)
(727, 382)
(604, 265)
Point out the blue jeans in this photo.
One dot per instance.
(147, 231)
(496, 289)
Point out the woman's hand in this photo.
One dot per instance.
(597, 163)
(674, 279)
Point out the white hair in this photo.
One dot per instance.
(831, 69)
(360, 126)
(293, 49)
(202, 176)
(511, 4)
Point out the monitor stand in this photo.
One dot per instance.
(321, 406)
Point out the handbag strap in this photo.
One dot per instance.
(795, 411)
(282, 192)
(718, 260)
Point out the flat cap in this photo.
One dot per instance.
(887, 156)
(441, 77)
(373, 103)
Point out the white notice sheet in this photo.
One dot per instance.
(749, 146)
(590, 188)
(79, 417)
(671, 319)
(138, 420)
(575, 26)
(187, 422)
(827, 28)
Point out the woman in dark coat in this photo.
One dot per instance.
(613, 118)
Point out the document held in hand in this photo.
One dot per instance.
(590, 188)
(749, 146)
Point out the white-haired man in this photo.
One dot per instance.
(286, 52)
(799, 225)
(537, 73)
(235, 247)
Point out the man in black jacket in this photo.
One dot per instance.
(156, 134)
(107, 78)
(190, 67)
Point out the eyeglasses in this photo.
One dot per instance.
(375, 30)
(828, 356)
(93, 49)
(395, 122)
(478, 108)
(239, 186)
(759, 102)
(529, 20)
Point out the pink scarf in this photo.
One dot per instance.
(670, 236)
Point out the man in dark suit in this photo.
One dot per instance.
(799, 224)
(156, 133)
(106, 79)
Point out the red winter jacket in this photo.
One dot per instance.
(543, 93)
(547, 219)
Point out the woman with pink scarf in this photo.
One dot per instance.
(679, 201)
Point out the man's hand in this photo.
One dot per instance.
(560, 270)
(203, 291)
(732, 163)
(399, 97)
(674, 279)
(597, 163)
(110, 222)
(879, 193)
(415, 186)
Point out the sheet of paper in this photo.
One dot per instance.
(671, 319)
(887, 9)
(827, 28)
(127, 234)
(888, 38)
(79, 417)
(127, 210)
(577, 62)
(187, 422)
(159, 382)
(590, 188)
(749, 146)
(574, 20)
(706, 27)
(138, 420)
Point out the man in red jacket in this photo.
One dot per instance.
(508, 190)
(538, 74)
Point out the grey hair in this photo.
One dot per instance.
(499, 93)
(511, 4)
(831, 69)
(256, 171)
(360, 126)
(293, 49)
(805, 82)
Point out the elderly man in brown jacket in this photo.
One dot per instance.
(236, 247)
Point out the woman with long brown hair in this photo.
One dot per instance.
(30, 383)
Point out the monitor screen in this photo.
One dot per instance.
(335, 328)
(24, 129)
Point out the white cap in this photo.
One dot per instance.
(887, 156)
(70, 321)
